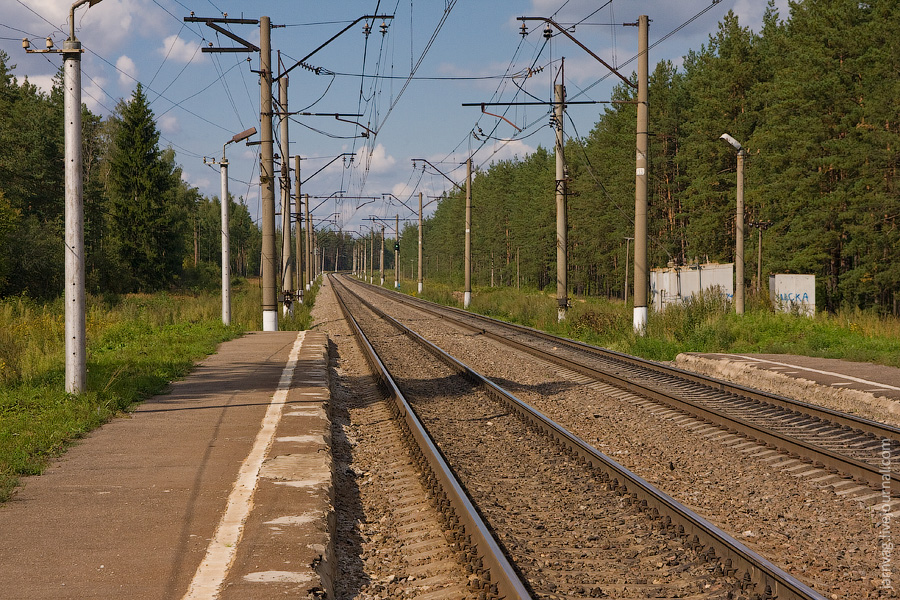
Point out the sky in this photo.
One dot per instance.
(457, 51)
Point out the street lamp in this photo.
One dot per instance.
(225, 209)
(739, 226)
(76, 346)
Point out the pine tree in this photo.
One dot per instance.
(148, 207)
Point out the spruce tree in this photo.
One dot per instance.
(150, 219)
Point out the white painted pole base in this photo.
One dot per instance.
(396, 284)
(420, 287)
(270, 320)
(467, 299)
(560, 315)
(640, 319)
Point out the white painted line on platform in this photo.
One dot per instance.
(220, 554)
(278, 577)
(831, 373)
(303, 519)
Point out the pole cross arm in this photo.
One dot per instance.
(580, 45)
(343, 154)
(426, 162)
(331, 39)
(211, 23)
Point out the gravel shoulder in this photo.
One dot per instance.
(813, 533)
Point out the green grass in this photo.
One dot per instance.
(137, 345)
(706, 325)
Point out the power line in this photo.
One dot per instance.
(655, 44)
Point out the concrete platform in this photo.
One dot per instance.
(221, 488)
(841, 384)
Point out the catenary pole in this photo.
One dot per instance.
(739, 236)
(309, 250)
(267, 178)
(287, 273)
(420, 279)
(641, 272)
(226, 244)
(562, 298)
(298, 244)
(382, 255)
(397, 254)
(467, 294)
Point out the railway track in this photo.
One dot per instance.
(841, 443)
(569, 522)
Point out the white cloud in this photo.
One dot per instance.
(127, 72)
(44, 82)
(377, 160)
(197, 182)
(169, 124)
(507, 150)
(179, 50)
(92, 93)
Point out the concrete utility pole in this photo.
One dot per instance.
(298, 219)
(224, 223)
(245, 46)
(226, 243)
(287, 273)
(267, 178)
(738, 226)
(562, 284)
(421, 281)
(372, 256)
(74, 292)
(641, 271)
(627, 241)
(739, 237)
(760, 226)
(467, 295)
(76, 343)
(309, 250)
(382, 255)
(397, 255)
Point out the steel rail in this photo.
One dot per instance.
(766, 579)
(870, 474)
(500, 571)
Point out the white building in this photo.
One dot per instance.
(674, 285)
(793, 293)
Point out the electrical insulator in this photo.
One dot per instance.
(25, 43)
(523, 30)
(383, 28)
(49, 43)
(548, 33)
(367, 29)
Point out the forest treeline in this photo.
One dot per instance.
(146, 229)
(814, 97)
